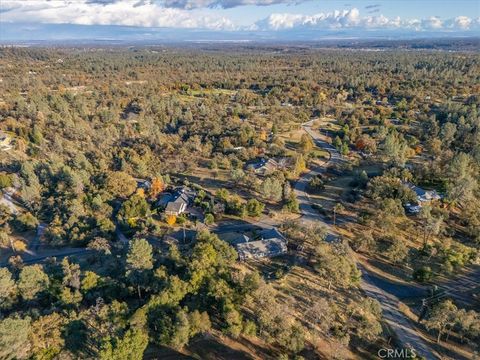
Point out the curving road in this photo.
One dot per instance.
(309, 214)
(372, 285)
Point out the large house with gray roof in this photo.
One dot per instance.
(175, 203)
(268, 243)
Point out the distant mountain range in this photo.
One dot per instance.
(40, 34)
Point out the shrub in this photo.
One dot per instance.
(423, 274)
(255, 207)
(5, 181)
(209, 219)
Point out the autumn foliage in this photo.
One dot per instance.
(157, 187)
(171, 219)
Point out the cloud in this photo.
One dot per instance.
(337, 19)
(433, 22)
(101, 2)
(179, 14)
(109, 12)
(372, 6)
(225, 4)
(462, 22)
(352, 19)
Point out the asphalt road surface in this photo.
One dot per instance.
(383, 291)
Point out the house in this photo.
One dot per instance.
(5, 141)
(178, 203)
(143, 184)
(423, 196)
(268, 243)
(264, 166)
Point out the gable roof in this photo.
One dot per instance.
(179, 202)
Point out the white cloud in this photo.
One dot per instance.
(432, 22)
(352, 19)
(226, 4)
(463, 22)
(120, 12)
(335, 19)
(176, 14)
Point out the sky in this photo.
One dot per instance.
(236, 19)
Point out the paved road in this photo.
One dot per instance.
(397, 322)
(372, 285)
(59, 254)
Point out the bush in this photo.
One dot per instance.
(423, 274)
(181, 219)
(292, 204)
(5, 181)
(316, 183)
(255, 207)
(249, 328)
(209, 219)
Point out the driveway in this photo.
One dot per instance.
(7, 200)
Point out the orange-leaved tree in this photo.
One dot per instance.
(157, 187)
(171, 219)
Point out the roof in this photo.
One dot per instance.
(164, 199)
(264, 165)
(424, 195)
(268, 243)
(179, 202)
(268, 234)
(262, 248)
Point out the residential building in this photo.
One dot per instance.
(143, 184)
(264, 166)
(178, 203)
(269, 243)
(423, 196)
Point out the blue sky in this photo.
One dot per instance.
(54, 19)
